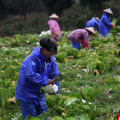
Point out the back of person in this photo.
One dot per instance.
(78, 35)
(53, 26)
(104, 24)
(92, 23)
(81, 36)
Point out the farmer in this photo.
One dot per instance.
(38, 69)
(81, 36)
(94, 22)
(54, 27)
(104, 23)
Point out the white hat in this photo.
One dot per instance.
(90, 29)
(109, 11)
(96, 18)
(53, 16)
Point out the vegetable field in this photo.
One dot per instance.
(90, 86)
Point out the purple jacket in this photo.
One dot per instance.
(79, 35)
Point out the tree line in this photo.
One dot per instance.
(23, 7)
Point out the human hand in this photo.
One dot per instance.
(50, 81)
(52, 93)
(112, 27)
(55, 33)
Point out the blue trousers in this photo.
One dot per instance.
(105, 35)
(33, 108)
(75, 45)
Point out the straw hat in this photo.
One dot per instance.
(53, 16)
(90, 29)
(96, 18)
(109, 11)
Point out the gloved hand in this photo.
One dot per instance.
(112, 27)
(55, 32)
(56, 36)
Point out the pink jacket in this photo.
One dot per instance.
(79, 35)
(54, 26)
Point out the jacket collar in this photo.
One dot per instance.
(44, 59)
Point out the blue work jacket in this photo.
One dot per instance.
(104, 24)
(92, 23)
(34, 73)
